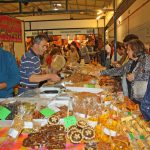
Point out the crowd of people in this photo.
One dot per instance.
(132, 65)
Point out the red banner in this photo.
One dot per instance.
(10, 29)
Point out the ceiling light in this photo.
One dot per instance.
(59, 5)
(55, 7)
(100, 12)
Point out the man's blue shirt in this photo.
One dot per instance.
(30, 64)
(9, 73)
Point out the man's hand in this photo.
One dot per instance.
(3, 85)
(130, 77)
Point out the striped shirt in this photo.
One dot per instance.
(30, 64)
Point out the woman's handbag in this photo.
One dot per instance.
(139, 89)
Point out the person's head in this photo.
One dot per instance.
(128, 38)
(120, 48)
(135, 49)
(74, 43)
(55, 51)
(40, 44)
(72, 48)
(90, 42)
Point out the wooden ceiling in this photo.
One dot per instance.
(77, 9)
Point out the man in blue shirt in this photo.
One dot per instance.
(9, 73)
(30, 70)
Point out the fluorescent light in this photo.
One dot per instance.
(59, 5)
(55, 8)
(98, 17)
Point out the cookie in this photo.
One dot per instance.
(53, 120)
(88, 133)
(82, 124)
(76, 137)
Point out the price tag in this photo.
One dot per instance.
(69, 121)
(142, 137)
(4, 112)
(129, 113)
(47, 112)
(28, 125)
(131, 136)
(90, 85)
(13, 133)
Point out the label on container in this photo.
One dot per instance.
(89, 85)
(131, 136)
(47, 112)
(28, 125)
(110, 132)
(69, 121)
(13, 133)
(4, 112)
(142, 137)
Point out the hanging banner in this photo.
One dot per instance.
(10, 29)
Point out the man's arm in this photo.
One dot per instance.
(13, 73)
(38, 77)
(3, 85)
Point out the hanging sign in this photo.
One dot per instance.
(10, 29)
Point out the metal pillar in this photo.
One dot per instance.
(66, 5)
(104, 32)
(115, 31)
(20, 7)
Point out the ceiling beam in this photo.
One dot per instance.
(120, 10)
(44, 12)
(16, 1)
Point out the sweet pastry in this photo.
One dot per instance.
(71, 130)
(82, 124)
(49, 136)
(121, 142)
(103, 146)
(73, 127)
(61, 128)
(53, 120)
(88, 133)
(76, 137)
(92, 145)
